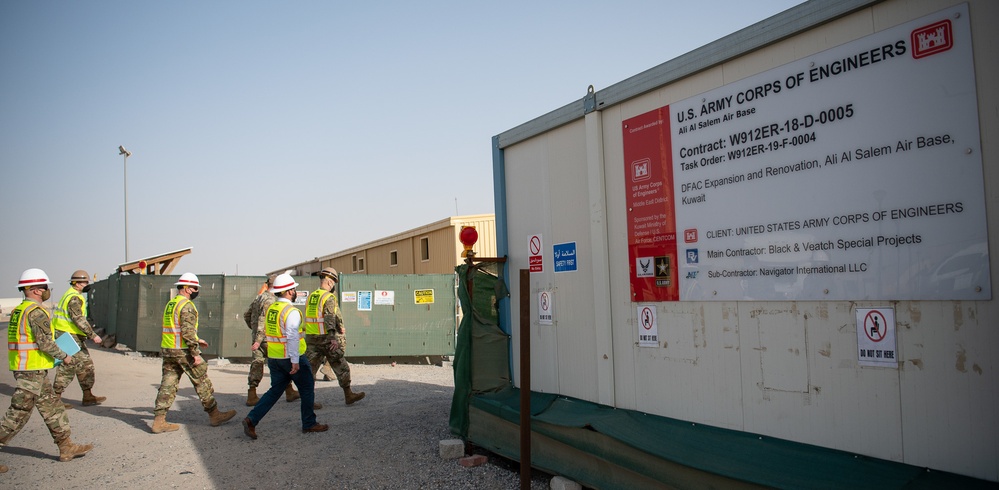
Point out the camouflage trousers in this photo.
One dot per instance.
(257, 364)
(173, 367)
(319, 350)
(82, 369)
(34, 391)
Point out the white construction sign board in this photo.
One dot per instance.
(851, 174)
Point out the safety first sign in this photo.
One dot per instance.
(876, 337)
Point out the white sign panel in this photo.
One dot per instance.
(546, 308)
(645, 267)
(876, 337)
(348, 297)
(852, 174)
(384, 298)
(648, 326)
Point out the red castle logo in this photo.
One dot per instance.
(932, 39)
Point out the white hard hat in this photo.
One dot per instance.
(283, 282)
(188, 279)
(33, 277)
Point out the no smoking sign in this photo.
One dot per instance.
(534, 246)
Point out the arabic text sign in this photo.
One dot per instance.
(534, 245)
(565, 256)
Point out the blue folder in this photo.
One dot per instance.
(68, 344)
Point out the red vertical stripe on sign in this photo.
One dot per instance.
(652, 246)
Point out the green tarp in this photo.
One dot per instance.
(482, 351)
(741, 456)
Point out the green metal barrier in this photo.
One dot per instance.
(399, 315)
(420, 321)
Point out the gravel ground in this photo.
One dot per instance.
(389, 440)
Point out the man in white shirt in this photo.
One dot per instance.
(285, 359)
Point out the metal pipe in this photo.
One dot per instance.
(525, 379)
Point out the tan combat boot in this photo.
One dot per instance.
(161, 425)
(218, 418)
(350, 397)
(327, 372)
(90, 399)
(68, 450)
(251, 397)
(290, 394)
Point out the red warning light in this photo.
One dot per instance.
(468, 236)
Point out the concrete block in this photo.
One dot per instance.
(452, 448)
(563, 483)
(474, 460)
(221, 361)
(133, 354)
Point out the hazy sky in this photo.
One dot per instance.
(268, 133)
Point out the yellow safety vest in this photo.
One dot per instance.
(172, 338)
(22, 350)
(277, 315)
(61, 320)
(314, 307)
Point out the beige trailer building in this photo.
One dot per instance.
(433, 248)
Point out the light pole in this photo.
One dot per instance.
(126, 153)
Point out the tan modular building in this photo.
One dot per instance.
(429, 249)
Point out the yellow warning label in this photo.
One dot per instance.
(423, 296)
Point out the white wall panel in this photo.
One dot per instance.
(528, 208)
(574, 326)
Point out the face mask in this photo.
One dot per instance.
(46, 295)
(194, 295)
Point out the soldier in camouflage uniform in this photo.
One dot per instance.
(71, 316)
(181, 353)
(325, 336)
(31, 352)
(255, 321)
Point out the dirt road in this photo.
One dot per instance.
(388, 440)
